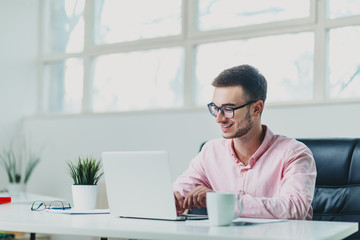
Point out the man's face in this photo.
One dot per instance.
(242, 122)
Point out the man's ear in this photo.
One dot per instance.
(258, 107)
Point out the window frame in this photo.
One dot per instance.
(189, 38)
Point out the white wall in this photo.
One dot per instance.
(326, 120)
(18, 67)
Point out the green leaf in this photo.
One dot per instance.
(18, 162)
(86, 171)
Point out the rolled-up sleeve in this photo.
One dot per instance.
(192, 177)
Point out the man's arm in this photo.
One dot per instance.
(295, 196)
(190, 188)
(194, 198)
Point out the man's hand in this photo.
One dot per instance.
(196, 197)
(179, 202)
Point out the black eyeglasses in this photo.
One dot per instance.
(226, 111)
(40, 205)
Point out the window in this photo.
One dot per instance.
(220, 14)
(343, 8)
(63, 26)
(138, 80)
(64, 85)
(344, 66)
(120, 21)
(118, 55)
(287, 65)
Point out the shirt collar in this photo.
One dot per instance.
(259, 152)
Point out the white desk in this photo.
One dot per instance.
(19, 217)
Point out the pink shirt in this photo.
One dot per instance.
(278, 182)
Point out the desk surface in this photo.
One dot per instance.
(19, 217)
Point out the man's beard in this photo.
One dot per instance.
(243, 131)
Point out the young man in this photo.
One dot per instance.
(272, 175)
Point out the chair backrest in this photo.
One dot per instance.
(337, 188)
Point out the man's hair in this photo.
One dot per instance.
(248, 77)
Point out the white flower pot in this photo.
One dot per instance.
(84, 196)
(16, 188)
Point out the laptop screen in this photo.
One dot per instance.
(139, 184)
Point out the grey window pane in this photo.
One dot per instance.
(121, 21)
(138, 80)
(285, 60)
(63, 26)
(342, 8)
(63, 86)
(218, 14)
(344, 64)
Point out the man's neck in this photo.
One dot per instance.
(246, 146)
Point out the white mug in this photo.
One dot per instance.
(221, 208)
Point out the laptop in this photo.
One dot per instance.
(139, 185)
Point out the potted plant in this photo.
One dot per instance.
(19, 165)
(85, 174)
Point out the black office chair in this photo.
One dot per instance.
(337, 188)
